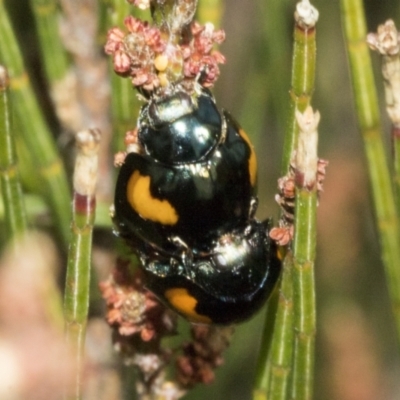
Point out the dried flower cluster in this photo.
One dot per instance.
(286, 200)
(202, 355)
(283, 234)
(132, 145)
(306, 172)
(140, 322)
(132, 310)
(387, 42)
(387, 39)
(153, 61)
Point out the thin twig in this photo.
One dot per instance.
(279, 363)
(304, 247)
(354, 26)
(303, 76)
(53, 52)
(76, 301)
(79, 32)
(15, 214)
(34, 129)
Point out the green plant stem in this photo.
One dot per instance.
(34, 206)
(303, 76)
(279, 362)
(263, 367)
(76, 302)
(304, 294)
(34, 129)
(210, 11)
(281, 349)
(396, 162)
(15, 215)
(354, 27)
(53, 52)
(275, 57)
(274, 367)
(77, 287)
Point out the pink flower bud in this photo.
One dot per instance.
(133, 24)
(121, 61)
(218, 36)
(218, 57)
(114, 38)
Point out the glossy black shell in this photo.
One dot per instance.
(211, 195)
(174, 130)
(227, 292)
(206, 255)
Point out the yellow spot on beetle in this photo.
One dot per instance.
(183, 302)
(252, 159)
(148, 207)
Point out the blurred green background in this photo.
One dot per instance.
(357, 355)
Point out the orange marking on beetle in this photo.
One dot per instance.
(184, 303)
(148, 207)
(252, 158)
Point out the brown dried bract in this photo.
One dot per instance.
(133, 310)
(321, 173)
(387, 39)
(282, 235)
(202, 355)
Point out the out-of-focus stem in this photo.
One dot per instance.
(210, 11)
(34, 129)
(15, 215)
(354, 27)
(387, 42)
(53, 52)
(90, 86)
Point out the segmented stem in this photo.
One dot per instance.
(303, 76)
(53, 52)
(14, 210)
(76, 302)
(35, 131)
(287, 376)
(354, 26)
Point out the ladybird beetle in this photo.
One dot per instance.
(186, 205)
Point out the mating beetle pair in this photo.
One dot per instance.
(186, 205)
